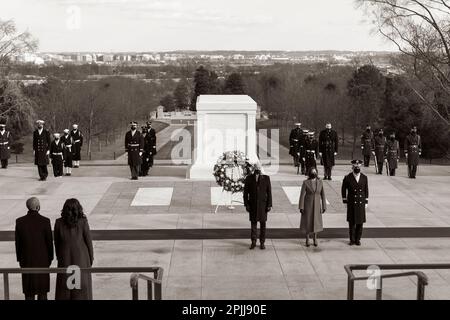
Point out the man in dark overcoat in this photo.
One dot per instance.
(5, 144)
(134, 146)
(57, 155)
(311, 152)
(328, 149)
(77, 144)
(296, 142)
(413, 151)
(41, 149)
(355, 194)
(379, 142)
(258, 202)
(34, 249)
(367, 145)
(151, 144)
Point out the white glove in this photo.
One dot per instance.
(48, 152)
(320, 153)
(366, 205)
(140, 154)
(420, 153)
(373, 152)
(335, 153)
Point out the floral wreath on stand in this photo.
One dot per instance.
(231, 170)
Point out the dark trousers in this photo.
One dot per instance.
(355, 231)
(327, 171)
(412, 170)
(380, 167)
(254, 231)
(366, 161)
(43, 172)
(4, 163)
(392, 172)
(57, 169)
(40, 296)
(135, 171)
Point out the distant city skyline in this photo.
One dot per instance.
(200, 25)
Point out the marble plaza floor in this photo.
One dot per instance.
(223, 269)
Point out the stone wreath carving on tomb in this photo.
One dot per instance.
(231, 170)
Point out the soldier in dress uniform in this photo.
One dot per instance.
(67, 140)
(392, 154)
(77, 144)
(379, 141)
(134, 146)
(57, 155)
(355, 194)
(151, 137)
(296, 141)
(5, 144)
(146, 155)
(367, 146)
(328, 149)
(413, 150)
(41, 149)
(311, 151)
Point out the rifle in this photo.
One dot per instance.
(387, 168)
(376, 162)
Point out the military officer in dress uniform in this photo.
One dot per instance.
(413, 150)
(134, 146)
(392, 154)
(146, 155)
(328, 149)
(151, 141)
(5, 144)
(77, 144)
(57, 155)
(355, 194)
(379, 141)
(41, 149)
(296, 140)
(67, 140)
(367, 145)
(311, 152)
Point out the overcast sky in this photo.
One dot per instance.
(147, 25)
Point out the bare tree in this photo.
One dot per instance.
(421, 31)
(13, 42)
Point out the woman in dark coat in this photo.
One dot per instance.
(73, 245)
(312, 205)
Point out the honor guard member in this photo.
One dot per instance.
(77, 144)
(134, 146)
(355, 194)
(152, 141)
(328, 149)
(311, 151)
(367, 145)
(5, 144)
(146, 155)
(413, 150)
(379, 141)
(57, 155)
(67, 140)
(302, 149)
(295, 143)
(41, 149)
(392, 154)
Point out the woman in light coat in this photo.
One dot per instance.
(312, 205)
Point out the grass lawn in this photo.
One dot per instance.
(97, 153)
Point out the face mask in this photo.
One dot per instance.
(368, 130)
(133, 128)
(257, 171)
(356, 170)
(380, 134)
(392, 138)
(313, 175)
(40, 127)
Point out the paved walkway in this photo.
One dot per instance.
(213, 269)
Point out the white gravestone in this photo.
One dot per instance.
(224, 123)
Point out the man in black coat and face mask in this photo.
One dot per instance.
(258, 202)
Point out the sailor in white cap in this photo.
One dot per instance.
(311, 152)
(5, 144)
(67, 140)
(355, 194)
(77, 144)
(134, 146)
(57, 155)
(41, 149)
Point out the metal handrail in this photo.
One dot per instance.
(156, 281)
(422, 279)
